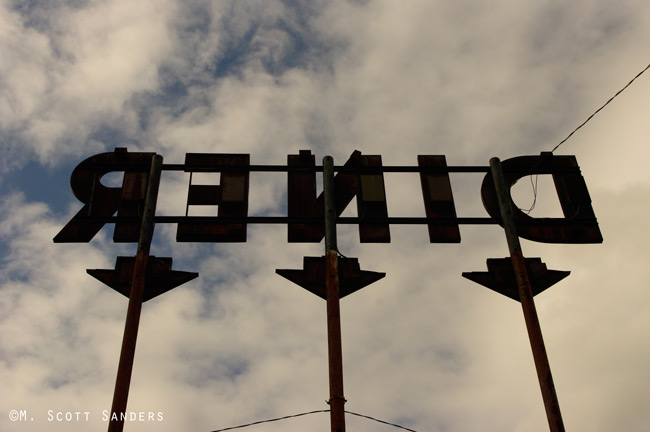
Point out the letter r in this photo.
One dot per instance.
(101, 201)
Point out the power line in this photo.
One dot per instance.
(380, 421)
(599, 109)
(309, 413)
(270, 420)
(527, 211)
(534, 184)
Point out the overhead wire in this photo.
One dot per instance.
(599, 109)
(270, 420)
(380, 421)
(309, 413)
(534, 184)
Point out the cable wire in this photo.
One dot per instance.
(527, 211)
(599, 109)
(380, 421)
(271, 420)
(309, 413)
(534, 184)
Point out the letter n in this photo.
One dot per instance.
(366, 184)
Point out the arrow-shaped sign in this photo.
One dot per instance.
(160, 277)
(500, 276)
(312, 276)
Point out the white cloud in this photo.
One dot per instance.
(64, 81)
(115, 49)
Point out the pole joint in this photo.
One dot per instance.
(336, 398)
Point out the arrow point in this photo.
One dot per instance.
(500, 276)
(160, 277)
(312, 276)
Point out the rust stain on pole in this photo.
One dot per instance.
(540, 356)
(335, 356)
(125, 368)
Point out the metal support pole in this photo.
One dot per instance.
(527, 303)
(132, 323)
(337, 400)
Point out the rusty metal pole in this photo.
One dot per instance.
(527, 303)
(125, 368)
(335, 356)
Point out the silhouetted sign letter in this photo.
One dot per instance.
(367, 185)
(231, 197)
(438, 199)
(102, 201)
(579, 223)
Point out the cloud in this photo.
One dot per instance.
(49, 325)
(65, 78)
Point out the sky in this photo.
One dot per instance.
(424, 347)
